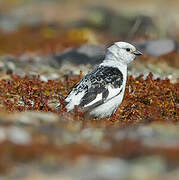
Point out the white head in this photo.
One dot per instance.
(123, 52)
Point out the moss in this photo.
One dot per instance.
(42, 39)
(144, 99)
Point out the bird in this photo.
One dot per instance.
(101, 91)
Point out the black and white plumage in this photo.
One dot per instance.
(101, 91)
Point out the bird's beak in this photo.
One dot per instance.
(138, 53)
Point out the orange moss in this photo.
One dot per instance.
(145, 100)
(41, 39)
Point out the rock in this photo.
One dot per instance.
(159, 70)
(86, 54)
(10, 67)
(113, 168)
(18, 136)
(147, 168)
(11, 20)
(8, 64)
(158, 47)
(152, 136)
(71, 69)
(99, 168)
(95, 137)
(34, 118)
(45, 78)
(8, 23)
(32, 74)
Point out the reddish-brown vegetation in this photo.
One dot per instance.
(145, 100)
(41, 39)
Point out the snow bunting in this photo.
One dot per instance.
(101, 91)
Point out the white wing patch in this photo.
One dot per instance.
(73, 100)
(98, 98)
(113, 92)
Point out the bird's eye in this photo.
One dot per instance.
(127, 49)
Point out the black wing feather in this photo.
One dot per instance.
(91, 95)
(96, 82)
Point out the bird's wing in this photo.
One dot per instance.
(94, 99)
(97, 87)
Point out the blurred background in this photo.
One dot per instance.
(99, 21)
(50, 27)
(60, 39)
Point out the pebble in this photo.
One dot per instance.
(18, 136)
(94, 136)
(158, 47)
(86, 54)
(52, 76)
(145, 168)
(34, 118)
(152, 136)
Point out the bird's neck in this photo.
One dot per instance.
(112, 57)
(114, 61)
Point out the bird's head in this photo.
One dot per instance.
(123, 52)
